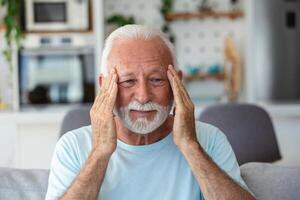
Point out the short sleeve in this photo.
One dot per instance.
(65, 166)
(223, 155)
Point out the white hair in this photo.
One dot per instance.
(134, 31)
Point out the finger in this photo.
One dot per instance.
(186, 97)
(102, 89)
(112, 97)
(170, 78)
(177, 82)
(111, 93)
(108, 80)
(172, 75)
(176, 92)
(173, 72)
(105, 82)
(177, 79)
(104, 92)
(111, 84)
(97, 99)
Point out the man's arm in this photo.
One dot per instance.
(88, 182)
(214, 183)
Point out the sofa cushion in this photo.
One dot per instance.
(266, 181)
(23, 184)
(271, 181)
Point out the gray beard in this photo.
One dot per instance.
(143, 126)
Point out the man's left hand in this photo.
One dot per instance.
(184, 132)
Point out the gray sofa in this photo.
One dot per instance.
(266, 181)
(17, 184)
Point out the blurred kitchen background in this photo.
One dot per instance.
(229, 51)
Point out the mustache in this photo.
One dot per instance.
(142, 125)
(149, 106)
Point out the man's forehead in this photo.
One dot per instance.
(127, 70)
(139, 50)
(132, 55)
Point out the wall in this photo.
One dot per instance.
(198, 43)
(2, 13)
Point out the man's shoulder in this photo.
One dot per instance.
(208, 134)
(205, 129)
(80, 137)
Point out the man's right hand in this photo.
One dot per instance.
(87, 183)
(102, 119)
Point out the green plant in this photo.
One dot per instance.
(120, 20)
(167, 6)
(13, 33)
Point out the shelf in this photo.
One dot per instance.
(201, 15)
(200, 77)
(59, 32)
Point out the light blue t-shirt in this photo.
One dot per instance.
(157, 171)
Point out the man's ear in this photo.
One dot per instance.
(100, 80)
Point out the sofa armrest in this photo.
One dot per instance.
(271, 181)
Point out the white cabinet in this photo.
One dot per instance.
(28, 139)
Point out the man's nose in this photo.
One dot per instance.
(143, 92)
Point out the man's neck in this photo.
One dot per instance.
(132, 138)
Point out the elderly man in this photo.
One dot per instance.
(134, 148)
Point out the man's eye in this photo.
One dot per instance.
(127, 83)
(156, 81)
